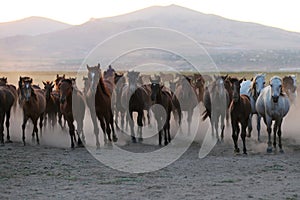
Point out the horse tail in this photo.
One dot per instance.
(207, 104)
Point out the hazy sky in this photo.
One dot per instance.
(278, 13)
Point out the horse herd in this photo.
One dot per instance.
(112, 100)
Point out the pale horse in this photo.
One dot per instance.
(273, 104)
(252, 89)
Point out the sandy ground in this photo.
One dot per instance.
(54, 171)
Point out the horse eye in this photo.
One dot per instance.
(264, 83)
(271, 85)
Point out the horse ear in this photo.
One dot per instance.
(64, 76)
(151, 80)
(251, 79)
(241, 80)
(161, 87)
(44, 83)
(30, 81)
(88, 67)
(98, 65)
(56, 76)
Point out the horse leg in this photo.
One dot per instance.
(7, 127)
(41, 123)
(189, 119)
(243, 136)
(222, 126)
(269, 130)
(96, 128)
(35, 130)
(279, 136)
(103, 127)
(148, 117)
(140, 124)
(2, 115)
(25, 119)
(80, 134)
(108, 130)
(71, 132)
(250, 125)
(235, 135)
(115, 138)
(258, 127)
(275, 128)
(131, 123)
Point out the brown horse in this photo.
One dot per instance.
(7, 100)
(289, 86)
(72, 108)
(12, 88)
(199, 85)
(163, 98)
(240, 110)
(51, 105)
(34, 105)
(57, 100)
(99, 102)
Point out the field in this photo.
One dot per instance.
(54, 171)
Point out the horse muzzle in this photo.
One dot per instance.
(62, 100)
(275, 99)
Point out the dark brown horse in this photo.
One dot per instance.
(12, 88)
(163, 98)
(57, 100)
(72, 108)
(240, 110)
(34, 105)
(99, 102)
(199, 83)
(51, 105)
(7, 100)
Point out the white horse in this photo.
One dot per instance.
(252, 89)
(272, 104)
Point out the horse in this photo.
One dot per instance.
(186, 95)
(252, 89)
(98, 99)
(72, 107)
(57, 98)
(273, 105)
(166, 77)
(163, 98)
(136, 99)
(215, 101)
(199, 85)
(7, 101)
(12, 88)
(34, 106)
(51, 105)
(240, 109)
(119, 110)
(289, 86)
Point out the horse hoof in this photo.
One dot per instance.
(8, 141)
(281, 151)
(133, 140)
(237, 150)
(115, 139)
(269, 150)
(249, 135)
(166, 143)
(140, 139)
(245, 153)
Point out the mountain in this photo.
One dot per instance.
(30, 26)
(231, 44)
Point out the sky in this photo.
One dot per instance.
(277, 13)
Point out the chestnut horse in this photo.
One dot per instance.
(240, 110)
(98, 99)
(7, 100)
(34, 106)
(72, 108)
(56, 96)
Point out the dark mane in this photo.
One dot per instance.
(103, 87)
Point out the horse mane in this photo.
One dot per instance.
(103, 87)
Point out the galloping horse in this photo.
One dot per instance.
(34, 106)
(186, 95)
(99, 102)
(199, 85)
(240, 109)
(215, 101)
(252, 89)
(72, 108)
(289, 86)
(163, 98)
(57, 100)
(51, 105)
(7, 100)
(272, 104)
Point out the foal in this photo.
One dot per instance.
(240, 110)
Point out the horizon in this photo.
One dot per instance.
(285, 20)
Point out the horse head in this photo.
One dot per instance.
(94, 75)
(58, 79)
(3, 81)
(132, 80)
(236, 86)
(48, 86)
(27, 89)
(155, 87)
(276, 88)
(258, 83)
(65, 90)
